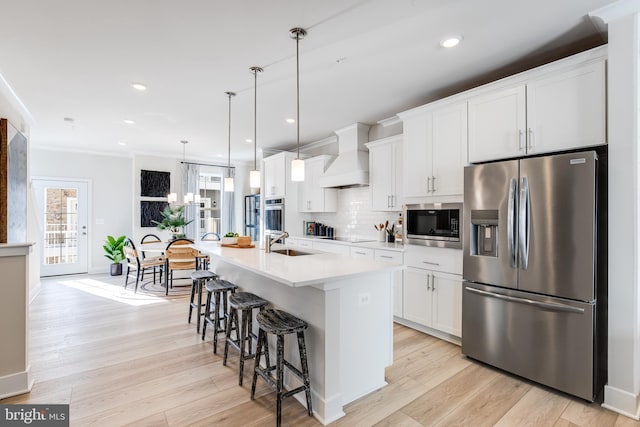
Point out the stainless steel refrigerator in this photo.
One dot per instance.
(252, 216)
(534, 297)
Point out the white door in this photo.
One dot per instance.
(63, 219)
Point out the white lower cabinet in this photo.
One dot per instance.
(433, 299)
(398, 287)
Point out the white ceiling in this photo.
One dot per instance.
(362, 61)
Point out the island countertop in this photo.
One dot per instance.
(296, 271)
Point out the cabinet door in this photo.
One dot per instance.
(497, 125)
(274, 176)
(417, 296)
(398, 287)
(315, 194)
(381, 176)
(449, 149)
(447, 303)
(567, 110)
(417, 155)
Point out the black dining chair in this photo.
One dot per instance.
(146, 239)
(135, 263)
(210, 236)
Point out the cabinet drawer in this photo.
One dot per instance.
(389, 256)
(333, 248)
(361, 252)
(437, 259)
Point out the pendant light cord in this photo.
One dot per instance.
(298, 89)
(255, 117)
(229, 94)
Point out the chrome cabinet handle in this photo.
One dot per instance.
(428, 277)
(433, 282)
(361, 253)
(433, 184)
(430, 263)
(520, 139)
(530, 140)
(511, 222)
(428, 184)
(385, 256)
(388, 201)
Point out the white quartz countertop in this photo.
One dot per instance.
(371, 245)
(295, 271)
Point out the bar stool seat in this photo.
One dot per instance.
(244, 303)
(281, 323)
(219, 289)
(198, 278)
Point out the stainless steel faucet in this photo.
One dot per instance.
(269, 241)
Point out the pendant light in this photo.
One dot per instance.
(228, 181)
(297, 165)
(254, 175)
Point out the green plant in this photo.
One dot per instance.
(113, 249)
(230, 234)
(172, 219)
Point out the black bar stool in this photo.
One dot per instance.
(281, 323)
(243, 302)
(219, 289)
(199, 278)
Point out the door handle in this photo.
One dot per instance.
(428, 277)
(511, 222)
(520, 139)
(428, 184)
(433, 282)
(430, 263)
(433, 184)
(530, 140)
(546, 305)
(524, 222)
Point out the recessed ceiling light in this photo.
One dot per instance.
(450, 41)
(68, 120)
(290, 120)
(248, 140)
(129, 122)
(122, 143)
(219, 155)
(139, 86)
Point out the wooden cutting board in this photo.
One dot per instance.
(235, 245)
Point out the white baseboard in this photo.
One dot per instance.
(14, 384)
(622, 402)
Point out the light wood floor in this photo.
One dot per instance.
(118, 363)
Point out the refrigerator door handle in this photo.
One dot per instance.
(524, 223)
(511, 222)
(545, 305)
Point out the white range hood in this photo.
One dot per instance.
(351, 167)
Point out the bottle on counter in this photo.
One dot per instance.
(399, 228)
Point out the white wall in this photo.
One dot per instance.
(110, 191)
(622, 392)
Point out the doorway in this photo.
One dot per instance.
(62, 209)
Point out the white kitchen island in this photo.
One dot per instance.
(347, 303)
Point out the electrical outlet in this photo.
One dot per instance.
(364, 299)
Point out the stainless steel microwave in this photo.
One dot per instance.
(433, 224)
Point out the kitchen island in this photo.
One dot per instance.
(347, 303)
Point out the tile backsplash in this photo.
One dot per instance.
(354, 217)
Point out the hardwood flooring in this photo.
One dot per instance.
(124, 359)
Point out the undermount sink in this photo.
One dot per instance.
(290, 252)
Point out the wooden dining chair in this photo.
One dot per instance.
(136, 264)
(146, 239)
(180, 255)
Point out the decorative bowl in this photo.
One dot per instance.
(229, 240)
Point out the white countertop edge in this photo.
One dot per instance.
(15, 249)
(375, 267)
(399, 247)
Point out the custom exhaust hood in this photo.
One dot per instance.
(351, 167)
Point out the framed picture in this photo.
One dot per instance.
(150, 211)
(309, 228)
(155, 183)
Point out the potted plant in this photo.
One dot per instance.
(173, 220)
(114, 253)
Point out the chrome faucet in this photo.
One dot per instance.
(269, 241)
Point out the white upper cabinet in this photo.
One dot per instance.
(561, 110)
(312, 197)
(385, 173)
(435, 151)
(277, 169)
(567, 110)
(497, 123)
